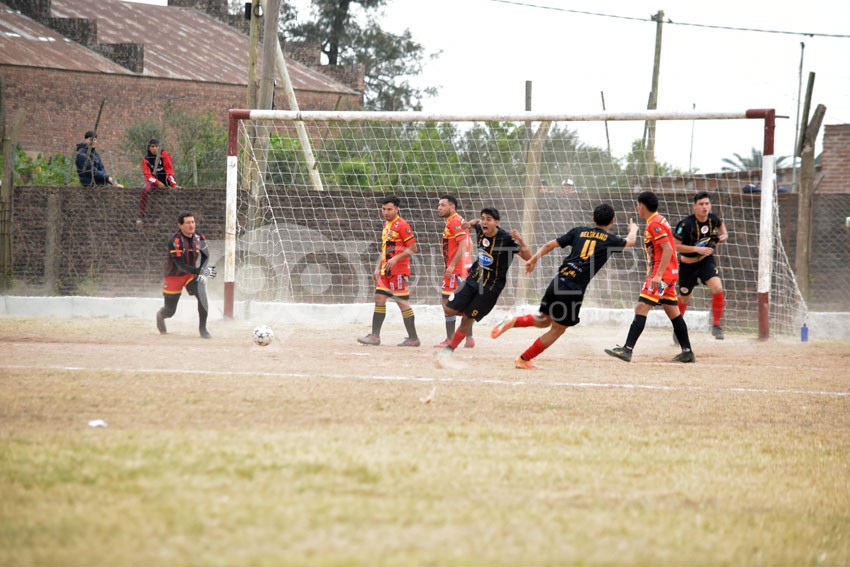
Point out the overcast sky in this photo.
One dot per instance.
(490, 48)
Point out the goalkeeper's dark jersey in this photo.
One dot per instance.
(692, 232)
(591, 248)
(183, 254)
(495, 255)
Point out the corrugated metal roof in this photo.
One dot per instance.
(180, 43)
(26, 43)
(183, 43)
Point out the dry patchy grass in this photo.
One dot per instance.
(317, 450)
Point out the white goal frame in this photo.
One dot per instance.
(767, 202)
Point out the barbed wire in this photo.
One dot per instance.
(671, 22)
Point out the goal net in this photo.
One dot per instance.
(304, 218)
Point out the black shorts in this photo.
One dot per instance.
(562, 302)
(473, 301)
(703, 271)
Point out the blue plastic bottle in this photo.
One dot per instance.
(804, 333)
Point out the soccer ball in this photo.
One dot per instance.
(263, 335)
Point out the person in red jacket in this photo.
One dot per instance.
(159, 174)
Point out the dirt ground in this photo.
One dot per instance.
(80, 346)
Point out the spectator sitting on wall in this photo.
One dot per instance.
(159, 174)
(90, 168)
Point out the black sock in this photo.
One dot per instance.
(680, 328)
(638, 323)
(378, 319)
(409, 323)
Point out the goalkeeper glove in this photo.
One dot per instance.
(208, 271)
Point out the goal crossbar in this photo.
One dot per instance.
(419, 116)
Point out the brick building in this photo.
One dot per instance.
(835, 161)
(60, 59)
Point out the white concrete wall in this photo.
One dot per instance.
(822, 326)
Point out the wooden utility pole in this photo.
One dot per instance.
(653, 95)
(805, 202)
(271, 14)
(289, 91)
(529, 209)
(253, 50)
(8, 139)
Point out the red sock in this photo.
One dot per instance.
(682, 308)
(717, 301)
(525, 321)
(457, 339)
(535, 349)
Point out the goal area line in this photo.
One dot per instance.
(436, 380)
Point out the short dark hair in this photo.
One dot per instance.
(491, 211)
(181, 218)
(649, 200)
(450, 198)
(702, 195)
(603, 214)
(391, 199)
(91, 134)
(153, 142)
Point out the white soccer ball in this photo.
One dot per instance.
(263, 335)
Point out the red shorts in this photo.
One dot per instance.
(175, 284)
(666, 293)
(452, 284)
(394, 285)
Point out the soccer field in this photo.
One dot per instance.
(318, 450)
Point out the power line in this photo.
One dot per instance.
(668, 21)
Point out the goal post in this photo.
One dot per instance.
(286, 242)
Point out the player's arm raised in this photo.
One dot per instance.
(524, 250)
(631, 238)
(545, 249)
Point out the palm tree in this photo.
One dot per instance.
(747, 163)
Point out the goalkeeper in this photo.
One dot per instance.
(186, 267)
(590, 249)
(697, 237)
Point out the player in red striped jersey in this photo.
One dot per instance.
(398, 244)
(455, 256)
(659, 286)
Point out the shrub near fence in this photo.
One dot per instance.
(84, 241)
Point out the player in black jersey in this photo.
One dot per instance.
(487, 276)
(590, 249)
(697, 237)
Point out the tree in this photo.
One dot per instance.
(747, 163)
(389, 60)
(636, 160)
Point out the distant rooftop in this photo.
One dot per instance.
(179, 43)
